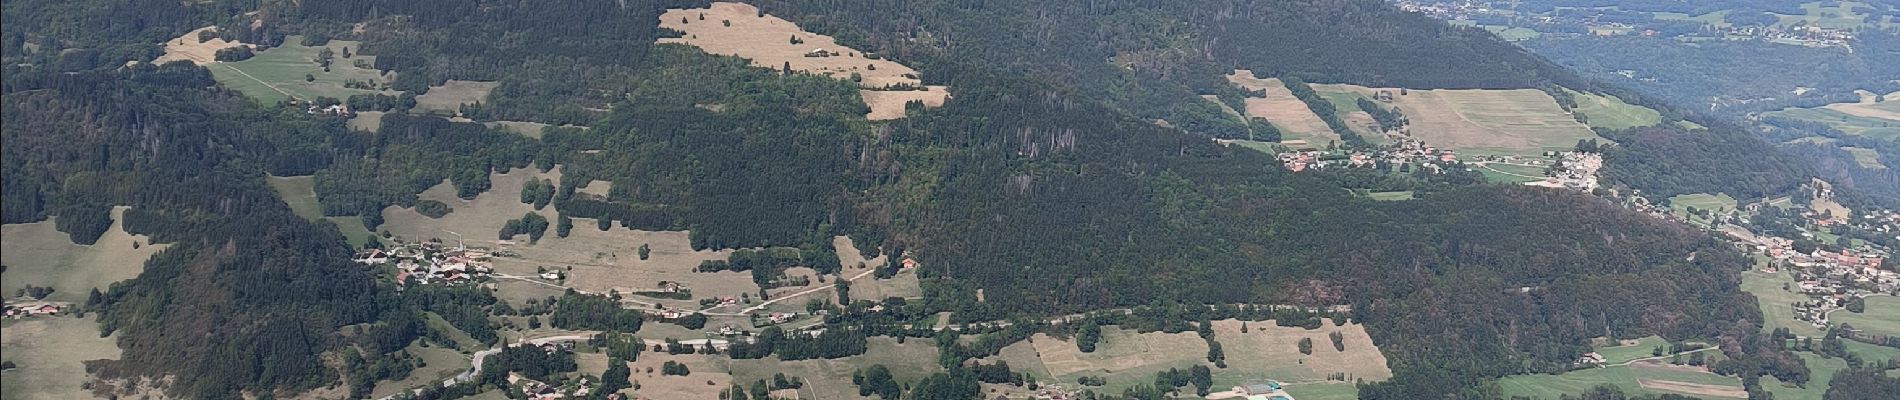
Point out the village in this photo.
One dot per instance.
(1577, 20)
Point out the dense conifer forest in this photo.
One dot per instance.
(1044, 182)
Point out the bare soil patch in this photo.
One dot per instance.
(188, 48)
(740, 30)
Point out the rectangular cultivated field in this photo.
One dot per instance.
(1291, 116)
(1882, 316)
(1609, 112)
(286, 71)
(1516, 121)
(1126, 358)
(50, 353)
(741, 30)
(38, 254)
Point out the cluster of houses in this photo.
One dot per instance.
(431, 263)
(34, 308)
(1571, 170)
(537, 390)
(1403, 150)
(1832, 279)
(1798, 33)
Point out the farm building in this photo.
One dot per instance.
(1269, 387)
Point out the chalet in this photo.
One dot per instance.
(372, 257)
(781, 317)
(31, 309)
(820, 53)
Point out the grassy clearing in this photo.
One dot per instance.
(449, 98)
(1625, 378)
(1701, 201)
(1517, 121)
(1777, 304)
(439, 363)
(1264, 352)
(1291, 116)
(1878, 128)
(1390, 196)
(1513, 34)
(50, 353)
(366, 121)
(188, 48)
(279, 73)
(1612, 113)
(1625, 352)
(1867, 158)
(831, 379)
(1881, 318)
(40, 255)
(300, 193)
(1323, 391)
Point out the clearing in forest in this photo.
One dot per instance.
(50, 353)
(449, 98)
(1513, 121)
(741, 30)
(601, 260)
(1865, 157)
(189, 48)
(1610, 112)
(300, 193)
(38, 254)
(290, 70)
(1292, 117)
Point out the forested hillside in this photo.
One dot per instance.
(1044, 182)
(260, 289)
